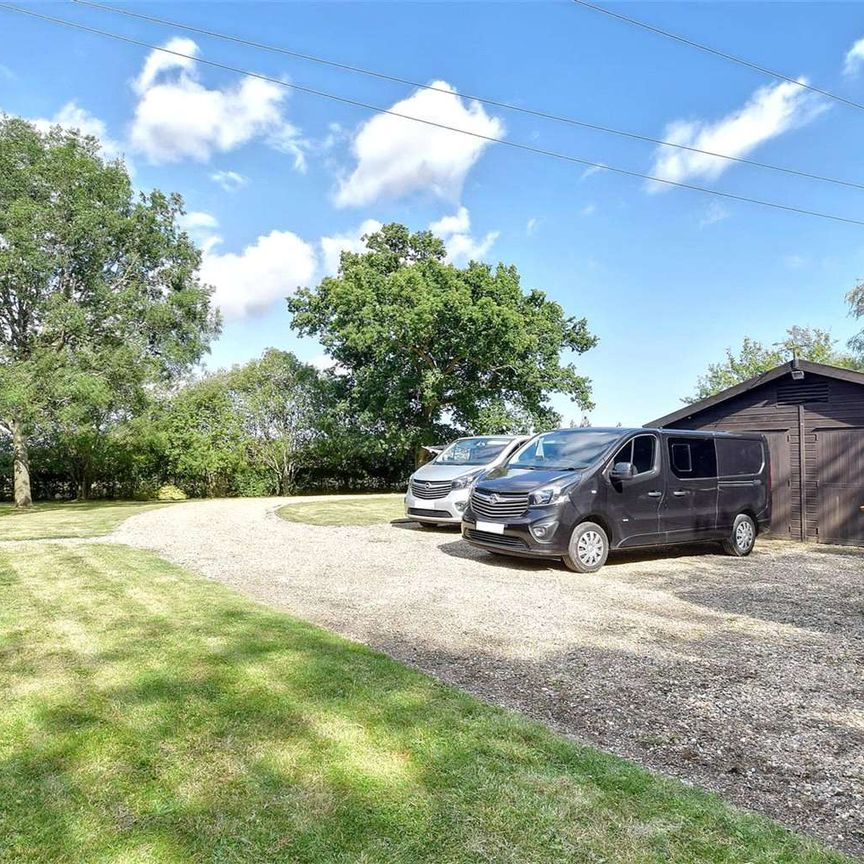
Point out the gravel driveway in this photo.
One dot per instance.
(744, 676)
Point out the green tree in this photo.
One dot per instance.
(754, 358)
(855, 299)
(203, 441)
(420, 342)
(278, 401)
(99, 297)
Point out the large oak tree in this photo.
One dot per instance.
(99, 297)
(419, 341)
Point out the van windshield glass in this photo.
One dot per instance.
(564, 449)
(472, 451)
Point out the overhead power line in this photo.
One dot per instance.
(717, 53)
(566, 157)
(533, 112)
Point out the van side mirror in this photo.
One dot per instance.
(623, 471)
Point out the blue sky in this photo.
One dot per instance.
(666, 279)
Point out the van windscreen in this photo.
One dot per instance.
(472, 451)
(564, 449)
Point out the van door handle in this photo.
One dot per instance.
(659, 494)
(679, 493)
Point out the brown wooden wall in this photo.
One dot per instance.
(806, 417)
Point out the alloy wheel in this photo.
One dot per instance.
(744, 535)
(589, 548)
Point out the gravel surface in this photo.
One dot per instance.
(743, 676)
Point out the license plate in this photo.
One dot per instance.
(440, 505)
(490, 527)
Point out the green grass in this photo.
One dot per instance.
(68, 519)
(342, 510)
(152, 716)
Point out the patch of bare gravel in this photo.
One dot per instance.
(744, 676)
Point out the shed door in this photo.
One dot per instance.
(840, 486)
(781, 485)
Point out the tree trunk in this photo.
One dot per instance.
(20, 466)
(84, 487)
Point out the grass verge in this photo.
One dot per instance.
(53, 521)
(340, 510)
(152, 716)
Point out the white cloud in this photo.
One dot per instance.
(197, 220)
(588, 210)
(158, 62)
(179, 118)
(461, 246)
(457, 224)
(715, 212)
(201, 228)
(854, 59)
(795, 261)
(531, 226)
(264, 272)
(73, 116)
(351, 241)
(7, 73)
(592, 169)
(325, 363)
(230, 181)
(771, 111)
(396, 157)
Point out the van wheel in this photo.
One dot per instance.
(588, 549)
(742, 537)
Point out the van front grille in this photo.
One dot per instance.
(429, 489)
(495, 539)
(497, 505)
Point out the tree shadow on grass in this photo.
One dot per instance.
(152, 714)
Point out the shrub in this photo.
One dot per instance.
(170, 492)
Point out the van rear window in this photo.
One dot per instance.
(692, 457)
(738, 457)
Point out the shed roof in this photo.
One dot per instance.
(757, 381)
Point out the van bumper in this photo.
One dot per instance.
(437, 511)
(516, 537)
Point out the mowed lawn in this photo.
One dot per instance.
(150, 715)
(340, 510)
(68, 519)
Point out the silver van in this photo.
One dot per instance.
(438, 491)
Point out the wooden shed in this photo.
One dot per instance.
(813, 417)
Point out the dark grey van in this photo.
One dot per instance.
(575, 494)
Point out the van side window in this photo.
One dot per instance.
(643, 453)
(737, 457)
(693, 457)
(640, 451)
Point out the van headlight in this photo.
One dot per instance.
(546, 495)
(465, 480)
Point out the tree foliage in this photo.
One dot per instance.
(245, 430)
(855, 299)
(754, 358)
(279, 403)
(420, 342)
(99, 297)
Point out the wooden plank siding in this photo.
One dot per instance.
(794, 430)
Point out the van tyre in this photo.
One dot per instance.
(742, 537)
(588, 549)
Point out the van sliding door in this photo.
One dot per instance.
(690, 505)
